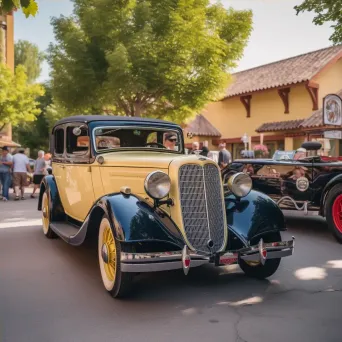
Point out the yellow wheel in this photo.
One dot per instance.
(116, 282)
(48, 232)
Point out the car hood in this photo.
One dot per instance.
(143, 159)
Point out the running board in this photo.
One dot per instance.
(64, 230)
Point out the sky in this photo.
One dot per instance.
(277, 32)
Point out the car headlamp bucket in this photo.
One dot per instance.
(157, 185)
(240, 184)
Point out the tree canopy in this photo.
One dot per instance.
(28, 55)
(327, 11)
(161, 58)
(28, 7)
(17, 98)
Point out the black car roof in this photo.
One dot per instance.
(92, 118)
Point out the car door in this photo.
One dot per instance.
(78, 192)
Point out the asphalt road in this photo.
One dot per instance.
(52, 292)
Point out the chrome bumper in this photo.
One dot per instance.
(165, 261)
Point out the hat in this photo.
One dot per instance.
(169, 136)
(5, 148)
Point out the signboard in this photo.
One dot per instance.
(332, 110)
(333, 135)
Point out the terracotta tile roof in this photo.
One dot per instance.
(285, 72)
(316, 118)
(201, 126)
(279, 126)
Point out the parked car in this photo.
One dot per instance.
(127, 183)
(308, 186)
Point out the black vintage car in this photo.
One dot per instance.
(305, 185)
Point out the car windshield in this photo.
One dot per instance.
(113, 138)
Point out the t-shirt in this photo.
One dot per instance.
(5, 168)
(39, 164)
(224, 157)
(19, 162)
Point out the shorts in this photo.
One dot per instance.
(19, 179)
(37, 179)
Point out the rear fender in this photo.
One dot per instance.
(336, 180)
(56, 208)
(252, 216)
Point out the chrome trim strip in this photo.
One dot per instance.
(270, 255)
(206, 202)
(159, 266)
(141, 258)
(300, 213)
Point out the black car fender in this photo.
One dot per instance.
(334, 181)
(253, 216)
(133, 221)
(56, 208)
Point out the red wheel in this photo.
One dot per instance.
(337, 212)
(333, 211)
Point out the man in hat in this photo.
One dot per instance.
(170, 141)
(6, 162)
(21, 165)
(225, 157)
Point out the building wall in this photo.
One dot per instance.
(329, 80)
(10, 41)
(229, 116)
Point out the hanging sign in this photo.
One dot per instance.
(333, 135)
(332, 110)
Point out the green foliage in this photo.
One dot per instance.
(161, 58)
(326, 11)
(28, 55)
(35, 134)
(17, 98)
(28, 7)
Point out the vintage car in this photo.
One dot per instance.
(127, 183)
(306, 185)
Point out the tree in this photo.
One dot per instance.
(28, 55)
(326, 11)
(35, 134)
(17, 98)
(28, 7)
(161, 58)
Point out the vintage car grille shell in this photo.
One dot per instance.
(201, 199)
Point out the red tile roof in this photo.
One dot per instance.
(279, 126)
(200, 126)
(282, 73)
(316, 118)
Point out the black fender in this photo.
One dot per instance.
(334, 181)
(252, 216)
(134, 222)
(56, 208)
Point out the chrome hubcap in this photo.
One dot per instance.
(104, 253)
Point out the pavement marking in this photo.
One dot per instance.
(28, 223)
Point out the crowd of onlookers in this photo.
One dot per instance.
(224, 156)
(16, 172)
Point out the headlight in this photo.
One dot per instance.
(240, 184)
(157, 184)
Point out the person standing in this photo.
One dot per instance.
(195, 147)
(21, 165)
(39, 171)
(204, 151)
(225, 157)
(5, 172)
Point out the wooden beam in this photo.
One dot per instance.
(313, 92)
(255, 138)
(246, 101)
(284, 95)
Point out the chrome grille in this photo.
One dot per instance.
(201, 205)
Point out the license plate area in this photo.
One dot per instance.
(228, 259)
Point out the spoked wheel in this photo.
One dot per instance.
(333, 211)
(48, 232)
(257, 269)
(117, 283)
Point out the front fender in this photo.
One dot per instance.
(334, 181)
(253, 215)
(134, 220)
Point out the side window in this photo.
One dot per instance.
(77, 140)
(59, 141)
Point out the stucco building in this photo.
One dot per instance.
(7, 56)
(281, 100)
